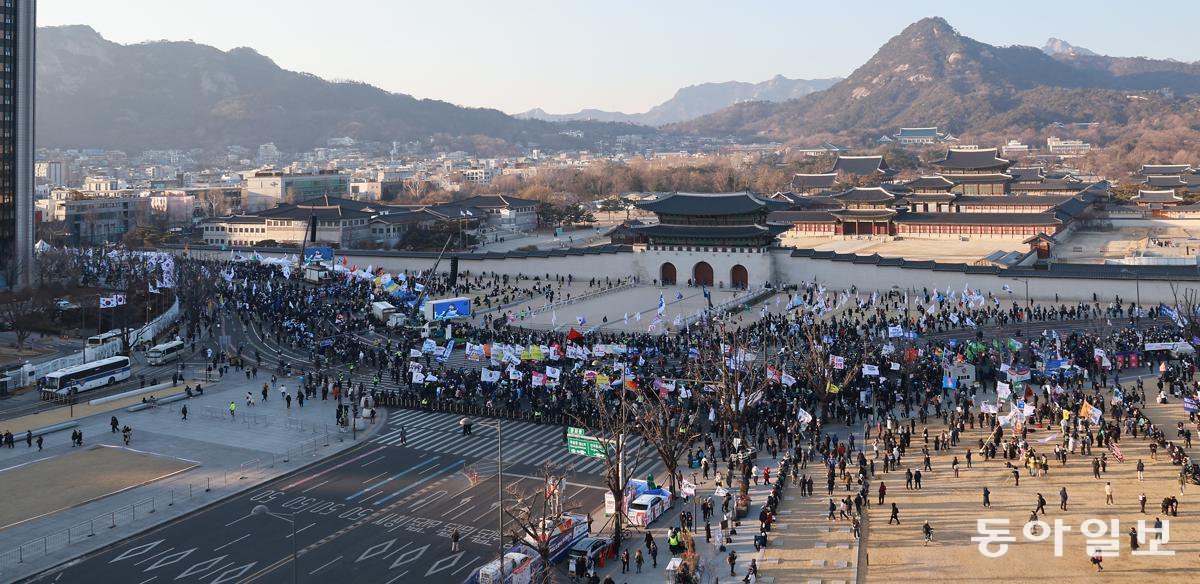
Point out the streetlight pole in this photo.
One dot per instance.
(500, 496)
(1137, 282)
(291, 519)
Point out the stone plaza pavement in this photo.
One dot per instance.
(232, 454)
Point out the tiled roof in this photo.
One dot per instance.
(960, 159)
(711, 204)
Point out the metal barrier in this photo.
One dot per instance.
(398, 400)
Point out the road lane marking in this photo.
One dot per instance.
(153, 556)
(366, 464)
(231, 543)
(374, 477)
(331, 469)
(316, 485)
(417, 466)
(326, 565)
(300, 530)
(447, 469)
(149, 579)
(398, 576)
(460, 513)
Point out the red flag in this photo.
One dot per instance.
(574, 335)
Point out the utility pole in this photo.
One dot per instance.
(500, 496)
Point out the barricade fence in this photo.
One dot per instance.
(395, 399)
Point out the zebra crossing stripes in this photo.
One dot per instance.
(523, 442)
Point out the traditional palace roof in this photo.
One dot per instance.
(1149, 169)
(711, 204)
(862, 166)
(710, 231)
(865, 195)
(1164, 181)
(963, 159)
(936, 181)
(1157, 197)
(1027, 173)
(813, 182)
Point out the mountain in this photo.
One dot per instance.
(96, 93)
(697, 100)
(930, 75)
(1055, 47)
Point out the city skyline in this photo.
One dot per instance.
(574, 63)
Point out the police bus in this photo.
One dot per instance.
(164, 353)
(86, 377)
(102, 338)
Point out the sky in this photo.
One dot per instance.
(624, 55)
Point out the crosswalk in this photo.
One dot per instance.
(521, 442)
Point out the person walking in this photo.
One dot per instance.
(232, 408)
(987, 497)
(882, 492)
(454, 536)
(895, 515)
(638, 560)
(29, 438)
(1141, 467)
(732, 559)
(624, 561)
(1041, 505)
(653, 554)
(1108, 493)
(39, 443)
(1133, 539)
(403, 436)
(1062, 498)
(112, 422)
(183, 411)
(1142, 502)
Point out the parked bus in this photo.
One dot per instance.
(164, 353)
(102, 338)
(86, 377)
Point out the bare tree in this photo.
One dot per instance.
(537, 514)
(669, 433)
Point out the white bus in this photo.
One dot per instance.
(102, 338)
(164, 353)
(86, 377)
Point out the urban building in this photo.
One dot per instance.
(340, 222)
(54, 173)
(18, 71)
(1067, 148)
(98, 220)
(266, 189)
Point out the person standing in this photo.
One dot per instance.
(232, 408)
(39, 443)
(987, 497)
(403, 436)
(29, 438)
(1133, 539)
(1141, 467)
(732, 559)
(1062, 498)
(112, 422)
(454, 536)
(625, 560)
(183, 411)
(638, 560)
(882, 492)
(1142, 502)
(1108, 493)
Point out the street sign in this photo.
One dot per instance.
(578, 442)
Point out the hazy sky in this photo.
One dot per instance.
(563, 55)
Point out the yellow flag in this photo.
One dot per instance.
(602, 380)
(831, 388)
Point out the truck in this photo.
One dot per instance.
(563, 533)
(315, 273)
(382, 311)
(521, 564)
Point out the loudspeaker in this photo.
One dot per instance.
(453, 270)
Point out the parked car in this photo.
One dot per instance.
(590, 548)
(646, 508)
(63, 305)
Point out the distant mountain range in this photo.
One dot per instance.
(930, 75)
(96, 93)
(697, 100)
(1055, 47)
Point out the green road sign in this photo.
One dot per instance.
(585, 445)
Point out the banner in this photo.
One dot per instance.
(1190, 405)
(895, 332)
(870, 370)
(489, 376)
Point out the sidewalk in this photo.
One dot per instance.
(232, 454)
(801, 542)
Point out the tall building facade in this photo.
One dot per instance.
(18, 30)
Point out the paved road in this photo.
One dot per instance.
(379, 512)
